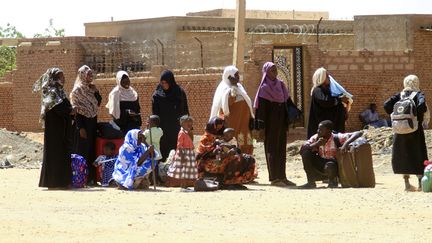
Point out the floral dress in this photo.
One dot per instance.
(230, 170)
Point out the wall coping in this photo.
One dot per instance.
(6, 84)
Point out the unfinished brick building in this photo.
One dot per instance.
(370, 56)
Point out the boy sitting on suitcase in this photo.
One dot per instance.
(319, 154)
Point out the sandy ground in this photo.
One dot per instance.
(261, 214)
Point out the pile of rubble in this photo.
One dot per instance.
(19, 151)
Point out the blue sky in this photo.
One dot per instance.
(30, 16)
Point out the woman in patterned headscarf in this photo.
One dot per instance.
(85, 98)
(270, 104)
(56, 117)
(409, 150)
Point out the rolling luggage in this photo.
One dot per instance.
(356, 166)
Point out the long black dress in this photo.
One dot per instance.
(169, 108)
(127, 122)
(325, 107)
(275, 119)
(56, 166)
(409, 150)
(86, 147)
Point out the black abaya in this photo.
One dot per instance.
(169, 109)
(275, 118)
(325, 107)
(127, 122)
(56, 166)
(86, 147)
(409, 150)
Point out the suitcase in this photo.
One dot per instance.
(100, 143)
(356, 166)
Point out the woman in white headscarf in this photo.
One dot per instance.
(232, 103)
(409, 150)
(85, 98)
(123, 104)
(326, 104)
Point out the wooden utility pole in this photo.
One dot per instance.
(239, 35)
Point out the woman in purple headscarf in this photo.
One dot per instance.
(270, 105)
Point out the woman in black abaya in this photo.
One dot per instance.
(56, 117)
(169, 102)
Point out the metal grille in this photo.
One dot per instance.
(138, 56)
(289, 62)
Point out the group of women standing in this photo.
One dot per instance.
(70, 126)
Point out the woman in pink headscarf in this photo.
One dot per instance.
(270, 104)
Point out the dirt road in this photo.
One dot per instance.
(260, 214)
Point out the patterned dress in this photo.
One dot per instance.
(230, 170)
(127, 172)
(107, 166)
(184, 165)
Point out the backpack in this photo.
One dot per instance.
(404, 115)
(79, 171)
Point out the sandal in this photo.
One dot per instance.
(278, 182)
(288, 182)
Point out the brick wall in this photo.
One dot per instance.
(371, 76)
(32, 61)
(21, 107)
(198, 85)
(423, 62)
(6, 101)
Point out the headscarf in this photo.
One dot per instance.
(126, 168)
(174, 92)
(131, 141)
(272, 90)
(83, 94)
(52, 92)
(225, 90)
(211, 126)
(118, 94)
(336, 90)
(411, 83)
(318, 78)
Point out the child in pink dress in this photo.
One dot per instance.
(183, 168)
